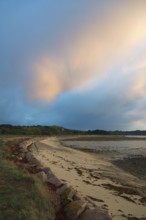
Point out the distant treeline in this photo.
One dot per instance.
(103, 132)
(57, 130)
(36, 130)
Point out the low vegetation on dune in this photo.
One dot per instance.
(22, 195)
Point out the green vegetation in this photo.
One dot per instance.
(36, 130)
(22, 195)
(57, 130)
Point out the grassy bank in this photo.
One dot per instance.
(22, 195)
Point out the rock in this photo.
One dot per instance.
(22, 154)
(28, 156)
(22, 150)
(51, 177)
(24, 145)
(47, 170)
(74, 209)
(54, 181)
(42, 176)
(21, 145)
(67, 195)
(77, 196)
(62, 189)
(95, 214)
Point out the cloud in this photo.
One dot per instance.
(112, 105)
(79, 64)
(91, 50)
(134, 73)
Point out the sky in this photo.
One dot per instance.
(79, 64)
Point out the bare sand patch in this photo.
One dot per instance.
(95, 176)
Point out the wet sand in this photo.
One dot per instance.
(108, 183)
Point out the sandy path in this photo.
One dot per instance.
(95, 176)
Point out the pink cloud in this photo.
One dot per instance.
(91, 51)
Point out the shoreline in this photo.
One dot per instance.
(96, 178)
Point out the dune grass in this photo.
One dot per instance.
(22, 195)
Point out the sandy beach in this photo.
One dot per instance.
(110, 184)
